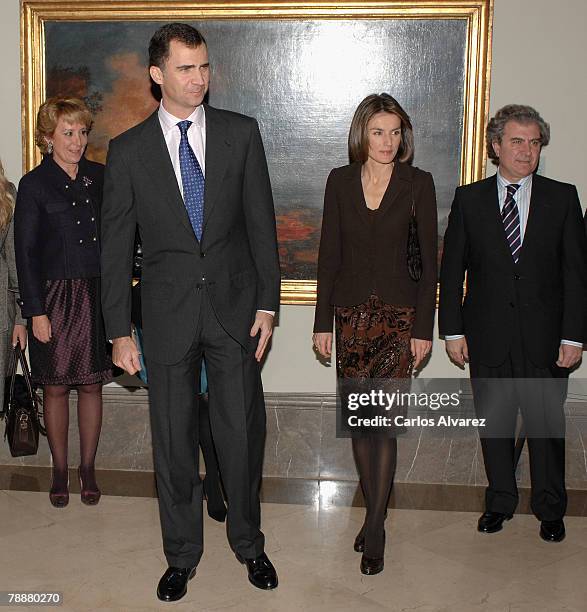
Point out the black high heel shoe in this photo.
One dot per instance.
(59, 493)
(359, 545)
(89, 492)
(372, 565)
(214, 499)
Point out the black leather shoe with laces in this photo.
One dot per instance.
(552, 531)
(174, 583)
(491, 522)
(261, 572)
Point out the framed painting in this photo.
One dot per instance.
(300, 68)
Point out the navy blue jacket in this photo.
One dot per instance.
(56, 228)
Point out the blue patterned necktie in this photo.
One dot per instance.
(192, 179)
(511, 222)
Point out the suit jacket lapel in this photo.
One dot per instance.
(155, 156)
(217, 157)
(538, 204)
(399, 183)
(400, 180)
(356, 193)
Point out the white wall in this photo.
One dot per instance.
(10, 142)
(539, 50)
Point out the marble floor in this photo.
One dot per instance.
(109, 557)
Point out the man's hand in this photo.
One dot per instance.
(419, 348)
(42, 328)
(323, 343)
(125, 354)
(568, 355)
(19, 336)
(458, 351)
(264, 324)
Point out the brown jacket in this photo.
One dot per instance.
(359, 256)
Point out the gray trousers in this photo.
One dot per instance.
(237, 419)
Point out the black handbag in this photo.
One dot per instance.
(414, 255)
(21, 408)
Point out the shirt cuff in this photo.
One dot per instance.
(271, 312)
(454, 337)
(572, 343)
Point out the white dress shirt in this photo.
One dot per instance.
(522, 197)
(196, 139)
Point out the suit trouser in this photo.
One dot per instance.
(540, 394)
(237, 419)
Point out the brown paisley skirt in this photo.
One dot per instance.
(373, 342)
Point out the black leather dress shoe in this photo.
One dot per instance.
(491, 522)
(261, 572)
(174, 583)
(552, 531)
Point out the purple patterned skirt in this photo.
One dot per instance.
(76, 353)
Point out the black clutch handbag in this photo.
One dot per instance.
(414, 255)
(21, 408)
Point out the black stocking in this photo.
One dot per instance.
(376, 459)
(89, 417)
(56, 409)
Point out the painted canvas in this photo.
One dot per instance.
(302, 80)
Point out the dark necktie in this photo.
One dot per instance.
(511, 222)
(192, 179)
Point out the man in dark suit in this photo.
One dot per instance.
(194, 180)
(520, 239)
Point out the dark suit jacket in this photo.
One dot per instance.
(545, 293)
(358, 256)
(56, 228)
(237, 259)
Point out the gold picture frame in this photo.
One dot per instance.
(472, 51)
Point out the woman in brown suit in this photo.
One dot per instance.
(383, 319)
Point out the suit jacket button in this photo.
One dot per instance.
(202, 254)
(80, 241)
(517, 277)
(512, 305)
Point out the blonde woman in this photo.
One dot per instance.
(12, 325)
(57, 232)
